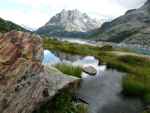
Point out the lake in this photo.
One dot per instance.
(103, 91)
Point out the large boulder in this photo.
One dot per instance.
(90, 70)
(24, 83)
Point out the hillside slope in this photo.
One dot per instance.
(6, 26)
(131, 28)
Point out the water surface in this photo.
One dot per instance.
(103, 91)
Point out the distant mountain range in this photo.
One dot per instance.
(131, 28)
(6, 26)
(69, 23)
(28, 28)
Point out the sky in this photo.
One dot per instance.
(35, 13)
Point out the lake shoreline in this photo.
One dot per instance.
(133, 65)
(133, 47)
(100, 90)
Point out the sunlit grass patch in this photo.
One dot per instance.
(69, 69)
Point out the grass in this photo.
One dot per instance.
(63, 103)
(132, 86)
(137, 81)
(72, 48)
(69, 69)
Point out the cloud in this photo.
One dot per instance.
(35, 13)
(130, 4)
(32, 19)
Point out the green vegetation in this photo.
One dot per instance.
(72, 48)
(69, 69)
(6, 26)
(137, 81)
(63, 103)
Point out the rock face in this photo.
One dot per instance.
(90, 70)
(69, 23)
(24, 83)
(131, 28)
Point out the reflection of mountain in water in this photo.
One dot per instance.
(50, 58)
(67, 57)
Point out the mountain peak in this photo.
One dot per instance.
(70, 21)
(70, 13)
